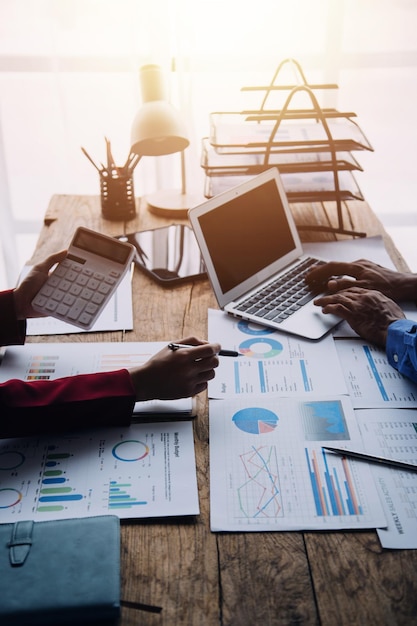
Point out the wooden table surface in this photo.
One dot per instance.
(196, 577)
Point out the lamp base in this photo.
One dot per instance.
(172, 202)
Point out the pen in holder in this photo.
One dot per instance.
(117, 196)
(116, 186)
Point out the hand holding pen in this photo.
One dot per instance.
(174, 373)
(178, 346)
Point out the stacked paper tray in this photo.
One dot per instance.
(224, 164)
(240, 133)
(299, 187)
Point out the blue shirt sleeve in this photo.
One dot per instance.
(401, 347)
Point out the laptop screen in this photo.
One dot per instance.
(247, 234)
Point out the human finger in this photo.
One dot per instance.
(50, 261)
(321, 274)
(198, 352)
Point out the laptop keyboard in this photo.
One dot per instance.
(284, 296)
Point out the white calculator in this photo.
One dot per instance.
(81, 285)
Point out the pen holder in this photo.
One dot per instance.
(117, 196)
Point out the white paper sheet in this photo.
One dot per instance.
(273, 363)
(392, 433)
(371, 381)
(268, 471)
(146, 470)
(47, 361)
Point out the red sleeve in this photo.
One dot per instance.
(73, 403)
(12, 331)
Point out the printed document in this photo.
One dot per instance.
(146, 470)
(392, 433)
(271, 362)
(371, 381)
(268, 470)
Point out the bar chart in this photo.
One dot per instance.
(333, 486)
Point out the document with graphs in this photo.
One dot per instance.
(269, 472)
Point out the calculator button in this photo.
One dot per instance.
(97, 298)
(98, 276)
(93, 284)
(47, 291)
(104, 289)
(53, 281)
(51, 305)
(40, 300)
(87, 272)
(60, 271)
(75, 290)
(86, 294)
(62, 309)
(58, 295)
(65, 285)
(85, 319)
(110, 281)
(91, 308)
(76, 309)
(71, 275)
(69, 299)
(82, 279)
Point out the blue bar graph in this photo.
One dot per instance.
(119, 497)
(332, 495)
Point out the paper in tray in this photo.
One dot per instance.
(299, 187)
(237, 133)
(216, 164)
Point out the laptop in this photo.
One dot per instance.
(250, 245)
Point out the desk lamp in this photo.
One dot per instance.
(159, 130)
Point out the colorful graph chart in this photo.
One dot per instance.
(56, 491)
(130, 450)
(259, 495)
(334, 490)
(42, 367)
(249, 328)
(255, 420)
(119, 497)
(324, 421)
(9, 497)
(261, 348)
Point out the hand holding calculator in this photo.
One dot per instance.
(82, 284)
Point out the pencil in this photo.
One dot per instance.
(381, 460)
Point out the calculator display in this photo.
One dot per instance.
(102, 246)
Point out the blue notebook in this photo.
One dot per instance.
(60, 572)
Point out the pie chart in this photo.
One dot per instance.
(261, 348)
(250, 328)
(255, 420)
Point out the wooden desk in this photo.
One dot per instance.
(205, 579)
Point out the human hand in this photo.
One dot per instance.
(335, 276)
(30, 285)
(368, 312)
(176, 374)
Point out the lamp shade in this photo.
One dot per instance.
(158, 127)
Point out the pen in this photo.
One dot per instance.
(177, 346)
(381, 460)
(89, 158)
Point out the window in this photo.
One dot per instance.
(69, 77)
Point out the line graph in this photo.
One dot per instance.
(259, 495)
